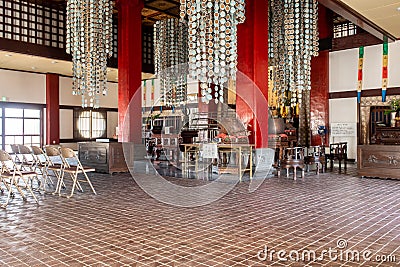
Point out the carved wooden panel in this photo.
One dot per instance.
(379, 161)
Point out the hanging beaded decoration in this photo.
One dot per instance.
(293, 41)
(171, 55)
(213, 43)
(89, 41)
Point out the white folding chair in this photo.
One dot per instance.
(54, 166)
(10, 175)
(42, 162)
(68, 156)
(26, 157)
(28, 162)
(15, 154)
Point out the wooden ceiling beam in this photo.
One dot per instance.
(352, 15)
(167, 11)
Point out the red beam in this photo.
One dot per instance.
(52, 109)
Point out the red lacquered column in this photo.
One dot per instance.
(320, 79)
(253, 62)
(52, 109)
(129, 69)
(319, 104)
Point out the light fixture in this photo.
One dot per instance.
(213, 43)
(170, 59)
(293, 41)
(89, 41)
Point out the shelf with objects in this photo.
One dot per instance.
(379, 151)
(219, 146)
(161, 136)
(384, 125)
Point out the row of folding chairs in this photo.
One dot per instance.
(32, 169)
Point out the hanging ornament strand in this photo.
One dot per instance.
(213, 43)
(293, 41)
(89, 41)
(170, 57)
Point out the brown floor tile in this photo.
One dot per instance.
(123, 226)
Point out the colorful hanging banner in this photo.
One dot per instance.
(144, 92)
(385, 59)
(152, 92)
(360, 72)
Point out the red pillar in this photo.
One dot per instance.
(320, 79)
(251, 100)
(52, 109)
(319, 104)
(129, 70)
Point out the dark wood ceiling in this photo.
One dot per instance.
(159, 9)
(153, 9)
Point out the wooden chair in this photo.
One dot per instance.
(315, 155)
(10, 176)
(67, 156)
(293, 158)
(337, 151)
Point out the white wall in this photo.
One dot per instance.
(27, 87)
(112, 123)
(66, 97)
(66, 116)
(344, 110)
(66, 124)
(23, 87)
(343, 69)
(192, 90)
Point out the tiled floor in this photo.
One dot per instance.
(122, 225)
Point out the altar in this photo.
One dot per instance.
(227, 157)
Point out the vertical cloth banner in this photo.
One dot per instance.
(144, 92)
(152, 92)
(360, 72)
(385, 59)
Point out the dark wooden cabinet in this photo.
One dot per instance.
(386, 136)
(104, 157)
(379, 161)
